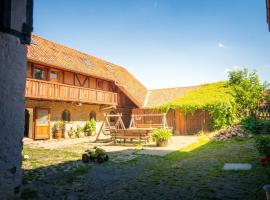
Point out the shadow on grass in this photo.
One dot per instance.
(193, 172)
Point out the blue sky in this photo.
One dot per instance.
(164, 43)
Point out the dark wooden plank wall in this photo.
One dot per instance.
(180, 122)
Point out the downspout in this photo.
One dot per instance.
(146, 99)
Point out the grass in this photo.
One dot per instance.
(194, 172)
(42, 162)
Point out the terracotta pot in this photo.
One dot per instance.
(267, 191)
(63, 134)
(58, 134)
(163, 143)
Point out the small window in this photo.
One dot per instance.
(99, 84)
(66, 115)
(92, 115)
(53, 74)
(39, 74)
(87, 62)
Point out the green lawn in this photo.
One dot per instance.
(192, 173)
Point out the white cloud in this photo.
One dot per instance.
(220, 45)
(233, 68)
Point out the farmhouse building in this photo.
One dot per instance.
(66, 84)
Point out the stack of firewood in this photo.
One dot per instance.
(233, 131)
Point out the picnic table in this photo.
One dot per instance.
(140, 134)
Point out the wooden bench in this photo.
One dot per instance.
(139, 134)
(154, 126)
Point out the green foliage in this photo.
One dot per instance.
(59, 125)
(78, 131)
(225, 101)
(255, 126)
(247, 91)
(215, 98)
(162, 134)
(75, 132)
(90, 127)
(263, 145)
(100, 152)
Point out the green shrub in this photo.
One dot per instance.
(59, 125)
(90, 127)
(161, 134)
(255, 126)
(247, 91)
(263, 145)
(79, 131)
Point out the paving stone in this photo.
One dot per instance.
(237, 166)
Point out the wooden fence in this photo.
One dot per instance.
(180, 122)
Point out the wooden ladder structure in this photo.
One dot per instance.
(107, 128)
(134, 117)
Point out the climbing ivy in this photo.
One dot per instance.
(216, 98)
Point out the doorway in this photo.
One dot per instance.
(42, 123)
(28, 124)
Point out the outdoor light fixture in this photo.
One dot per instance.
(78, 104)
(16, 22)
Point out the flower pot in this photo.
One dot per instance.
(163, 143)
(267, 191)
(58, 134)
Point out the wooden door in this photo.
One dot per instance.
(42, 123)
(180, 123)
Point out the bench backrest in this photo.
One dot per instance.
(149, 125)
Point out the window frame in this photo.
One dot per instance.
(41, 69)
(68, 115)
(93, 117)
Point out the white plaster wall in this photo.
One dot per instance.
(12, 83)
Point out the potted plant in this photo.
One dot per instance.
(162, 137)
(59, 127)
(263, 147)
(90, 127)
(78, 131)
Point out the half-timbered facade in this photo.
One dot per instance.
(65, 84)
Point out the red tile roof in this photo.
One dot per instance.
(49, 53)
(160, 96)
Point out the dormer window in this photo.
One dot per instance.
(87, 63)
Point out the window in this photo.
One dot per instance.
(87, 62)
(66, 115)
(99, 84)
(54, 76)
(39, 74)
(92, 115)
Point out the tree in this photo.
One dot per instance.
(247, 91)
